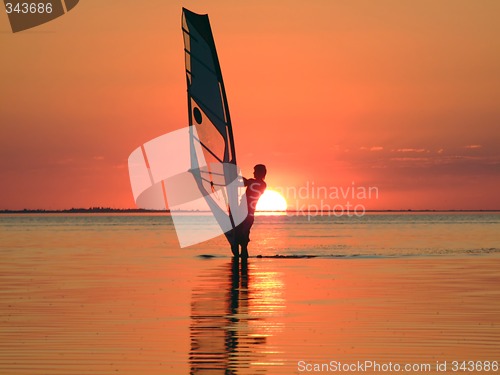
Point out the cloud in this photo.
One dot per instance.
(411, 150)
(472, 147)
(65, 161)
(412, 159)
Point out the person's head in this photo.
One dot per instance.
(259, 171)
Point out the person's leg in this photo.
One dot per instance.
(232, 237)
(244, 250)
(245, 235)
(234, 250)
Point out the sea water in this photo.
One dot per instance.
(102, 294)
(327, 235)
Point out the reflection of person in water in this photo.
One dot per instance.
(235, 308)
(255, 188)
(222, 341)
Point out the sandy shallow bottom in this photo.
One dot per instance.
(130, 312)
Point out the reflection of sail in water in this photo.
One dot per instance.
(235, 309)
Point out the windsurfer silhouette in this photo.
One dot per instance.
(255, 188)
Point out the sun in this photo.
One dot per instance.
(271, 201)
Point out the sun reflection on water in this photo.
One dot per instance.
(234, 311)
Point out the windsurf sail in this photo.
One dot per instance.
(193, 170)
(213, 154)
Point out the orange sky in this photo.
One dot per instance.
(401, 95)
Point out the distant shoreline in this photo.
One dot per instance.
(105, 210)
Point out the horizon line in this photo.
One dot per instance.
(143, 210)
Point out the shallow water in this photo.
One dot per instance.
(372, 235)
(114, 294)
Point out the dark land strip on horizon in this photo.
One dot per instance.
(140, 210)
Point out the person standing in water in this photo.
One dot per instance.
(255, 188)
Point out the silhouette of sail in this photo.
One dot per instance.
(213, 155)
(193, 170)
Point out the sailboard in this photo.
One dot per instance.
(213, 153)
(193, 170)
